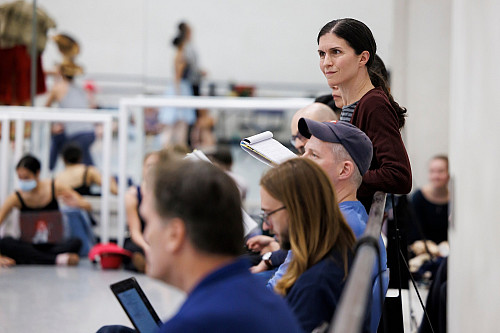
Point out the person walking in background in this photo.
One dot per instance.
(176, 121)
(195, 73)
(67, 94)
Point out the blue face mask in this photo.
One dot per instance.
(27, 185)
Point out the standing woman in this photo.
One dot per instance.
(347, 51)
(67, 94)
(176, 121)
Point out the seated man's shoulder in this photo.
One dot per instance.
(239, 300)
(229, 321)
(355, 216)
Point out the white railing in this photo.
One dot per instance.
(128, 107)
(134, 106)
(351, 308)
(40, 114)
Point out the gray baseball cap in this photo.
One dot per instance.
(355, 141)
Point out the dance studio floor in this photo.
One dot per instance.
(72, 299)
(48, 299)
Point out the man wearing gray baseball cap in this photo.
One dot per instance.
(344, 138)
(345, 152)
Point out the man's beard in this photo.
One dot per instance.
(285, 242)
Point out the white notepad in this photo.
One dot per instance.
(263, 147)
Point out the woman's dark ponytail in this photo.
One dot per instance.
(380, 78)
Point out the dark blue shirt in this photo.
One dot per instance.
(316, 293)
(230, 299)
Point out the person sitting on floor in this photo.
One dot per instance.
(79, 176)
(133, 198)
(37, 195)
(6, 261)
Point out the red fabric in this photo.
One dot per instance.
(108, 248)
(15, 74)
(390, 170)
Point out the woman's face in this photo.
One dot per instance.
(25, 174)
(438, 173)
(337, 60)
(27, 179)
(337, 97)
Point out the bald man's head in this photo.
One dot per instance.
(315, 111)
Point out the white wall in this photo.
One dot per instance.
(473, 288)
(257, 41)
(421, 78)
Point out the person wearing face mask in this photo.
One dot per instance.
(38, 195)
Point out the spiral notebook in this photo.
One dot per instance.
(266, 149)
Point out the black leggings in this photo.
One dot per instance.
(436, 301)
(25, 253)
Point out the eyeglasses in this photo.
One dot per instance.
(297, 136)
(293, 141)
(265, 216)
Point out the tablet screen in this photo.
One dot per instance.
(136, 305)
(137, 311)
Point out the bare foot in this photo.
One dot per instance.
(6, 261)
(67, 259)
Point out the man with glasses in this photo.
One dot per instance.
(344, 152)
(315, 111)
(272, 256)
